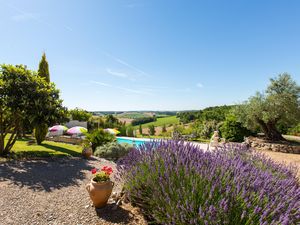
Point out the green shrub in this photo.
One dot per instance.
(112, 151)
(164, 129)
(232, 130)
(151, 129)
(205, 129)
(98, 137)
(130, 132)
(40, 133)
(295, 130)
(122, 130)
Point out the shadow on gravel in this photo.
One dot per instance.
(114, 214)
(46, 174)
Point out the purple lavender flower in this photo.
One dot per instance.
(178, 183)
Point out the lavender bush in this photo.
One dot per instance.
(177, 183)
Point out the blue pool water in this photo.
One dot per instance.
(131, 141)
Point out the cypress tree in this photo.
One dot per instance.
(44, 68)
(140, 129)
(41, 129)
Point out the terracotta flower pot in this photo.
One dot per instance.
(99, 192)
(87, 153)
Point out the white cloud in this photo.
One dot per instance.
(199, 85)
(115, 73)
(122, 62)
(100, 83)
(135, 91)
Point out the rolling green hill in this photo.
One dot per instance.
(161, 121)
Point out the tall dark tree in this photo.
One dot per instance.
(140, 129)
(41, 129)
(44, 68)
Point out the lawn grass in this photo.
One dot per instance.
(160, 122)
(21, 149)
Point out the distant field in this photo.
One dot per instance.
(133, 115)
(161, 121)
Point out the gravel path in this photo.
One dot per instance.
(52, 191)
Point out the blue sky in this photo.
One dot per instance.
(154, 55)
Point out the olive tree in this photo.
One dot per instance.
(278, 104)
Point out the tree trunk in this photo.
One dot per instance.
(273, 133)
(270, 130)
(1, 146)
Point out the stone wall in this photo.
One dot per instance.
(261, 144)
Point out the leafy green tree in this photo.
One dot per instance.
(151, 129)
(111, 121)
(140, 129)
(278, 104)
(24, 96)
(50, 111)
(80, 114)
(44, 69)
(216, 113)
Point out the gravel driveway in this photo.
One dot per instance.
(52, 191)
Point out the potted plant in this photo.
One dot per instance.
(87, 151)
(101, 186)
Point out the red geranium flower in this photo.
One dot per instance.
(94, 171)
(107, 170)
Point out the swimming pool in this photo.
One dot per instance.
(132, 141)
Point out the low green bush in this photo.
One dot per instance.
(294, 130)
(151, 129)
(40, 133)
(98, 137)
(232, 130)
(112, 151)
(130, 131)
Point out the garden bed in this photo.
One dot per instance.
(52, 191)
